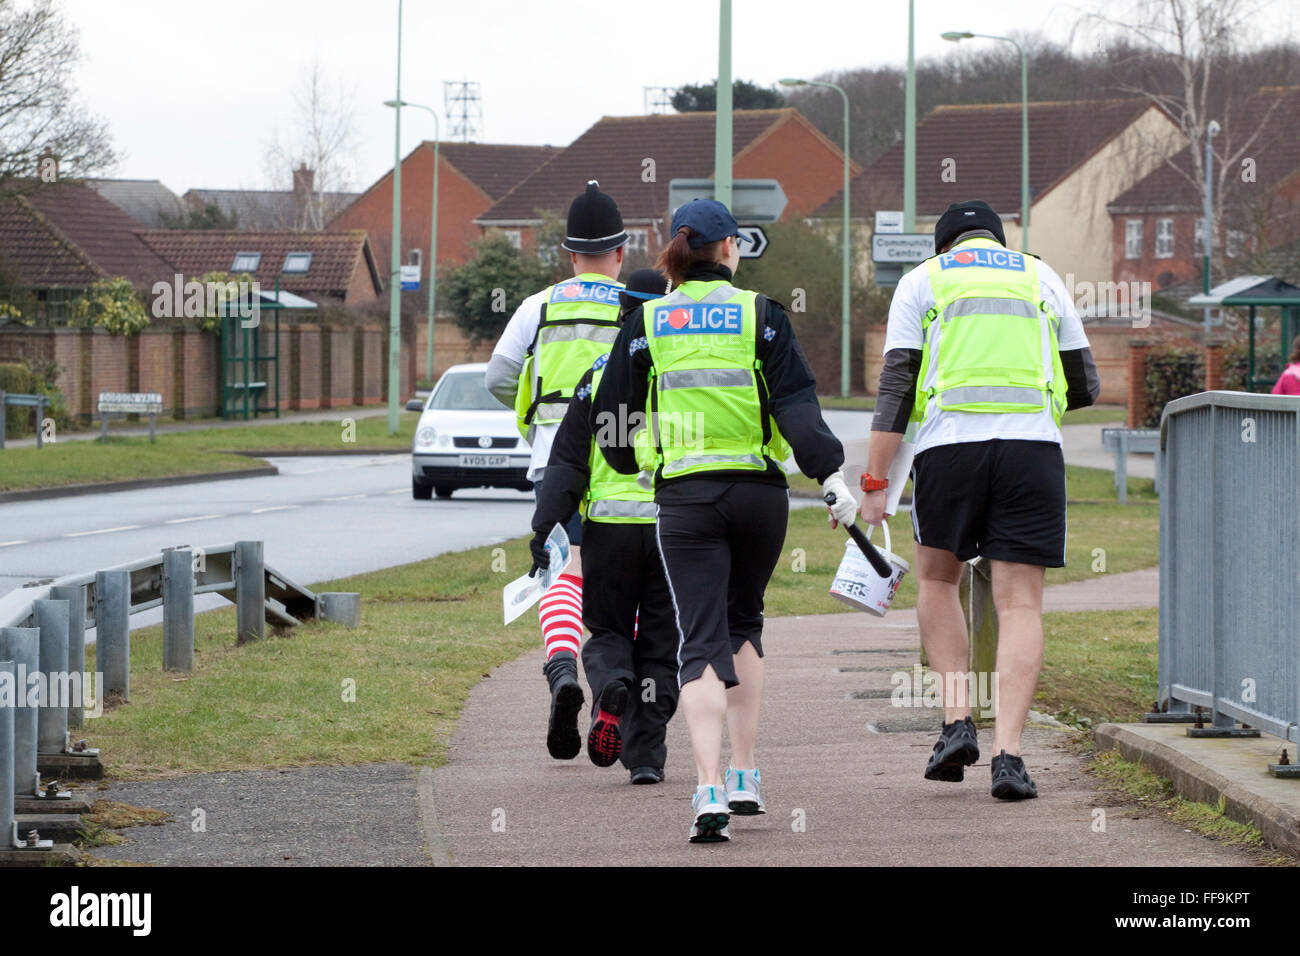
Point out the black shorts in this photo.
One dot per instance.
(1004, 500)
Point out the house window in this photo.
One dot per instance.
(638, 242)
(514, 237)
(1235, 243)
(1198, 240)
(246, 262)
(548, 253)
(1164, 238)
(1133, 239)
(297, 263)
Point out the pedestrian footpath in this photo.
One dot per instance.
(841, 774)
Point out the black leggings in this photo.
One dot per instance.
(719, 557)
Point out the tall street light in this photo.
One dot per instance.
(957, 35)
(433, 232)
(845, 238)
(394, 280)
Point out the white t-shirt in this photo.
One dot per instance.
(913, 298)
(513, 344)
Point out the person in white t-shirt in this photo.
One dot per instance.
(548, 345)
(984, 348)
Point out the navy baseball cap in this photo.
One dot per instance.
(710, 220)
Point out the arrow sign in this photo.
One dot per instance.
(752, 200)
(753, 242)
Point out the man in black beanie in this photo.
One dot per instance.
(551, 340)
(984, 351)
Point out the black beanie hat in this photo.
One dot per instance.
(595, 224)
(963, 217)
(643, 284)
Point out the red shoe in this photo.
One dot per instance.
(604, 742)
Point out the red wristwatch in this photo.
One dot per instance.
(867, 483)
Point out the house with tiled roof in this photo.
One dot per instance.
(1082, 154)
(326, 267)
(147, 201)
(1159, 223)
(635, 157)
(471, 177)
(58, 239)
(302, 208)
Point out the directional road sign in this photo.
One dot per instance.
(752, 200)
(753, 242)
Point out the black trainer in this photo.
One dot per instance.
(604, 740)
(647, 775)
(956, 750)
(562, 738)
(1011, 779)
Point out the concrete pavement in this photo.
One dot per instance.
(842, 776)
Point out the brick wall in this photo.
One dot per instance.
(318, 368)
(304, 367)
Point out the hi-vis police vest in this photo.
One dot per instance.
(613, 497)
(708, 400)
(578, 325)
(990, 341)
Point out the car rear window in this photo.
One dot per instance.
(464, 391)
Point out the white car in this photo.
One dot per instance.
(466, 438)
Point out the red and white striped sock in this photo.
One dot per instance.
(560, 614)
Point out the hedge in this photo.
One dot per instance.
(1171, 372)
(32, 378)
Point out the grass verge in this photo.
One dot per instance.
(392, 689)
(188, 453)
(1147, 792)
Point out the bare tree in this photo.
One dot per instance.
(318, 153)
(1188, 58)
(39, 115)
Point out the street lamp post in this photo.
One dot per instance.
(394, 283)
(957, 35)
(433, 232)
(845, 243)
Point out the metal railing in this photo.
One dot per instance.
(37, 402)
(1230, 559)
(42, 632)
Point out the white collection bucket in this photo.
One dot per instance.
(859, 586)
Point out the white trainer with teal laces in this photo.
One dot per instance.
(742, 792)
(711, 815)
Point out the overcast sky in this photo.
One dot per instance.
(194, 90)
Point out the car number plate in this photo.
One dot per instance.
(483, 461)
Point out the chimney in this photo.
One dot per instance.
(304, 182)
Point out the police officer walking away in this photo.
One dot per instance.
(985, 350)
(630, 657)
(551, 340)
(723, 379)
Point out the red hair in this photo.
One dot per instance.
(676, 258)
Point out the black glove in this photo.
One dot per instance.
(541, 557)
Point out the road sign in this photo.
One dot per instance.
(889, 221)
(752, 200)
(887, 274)
(135, 403)
(910, 247)
(753, 242)
(410, 276)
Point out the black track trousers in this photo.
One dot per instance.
(622, 576)
(719, 556)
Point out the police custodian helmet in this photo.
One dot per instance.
(595, 225)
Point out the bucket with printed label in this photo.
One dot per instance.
(859, 586)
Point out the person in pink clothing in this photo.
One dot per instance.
(1288, 383)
